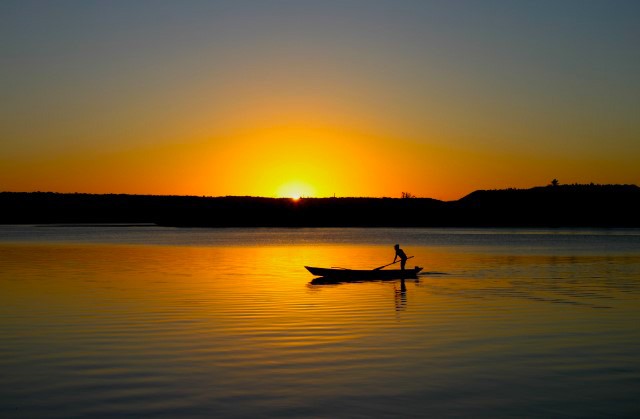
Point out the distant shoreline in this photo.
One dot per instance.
(108, 225)
(549, 206)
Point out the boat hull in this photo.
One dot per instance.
(344, 275)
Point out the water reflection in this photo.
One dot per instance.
(238, 330)
(401, 296)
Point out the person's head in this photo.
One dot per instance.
(397, 246)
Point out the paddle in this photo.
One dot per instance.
(384, 266)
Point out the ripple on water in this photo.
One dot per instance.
(232, 329)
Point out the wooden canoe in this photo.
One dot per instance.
(362, 275)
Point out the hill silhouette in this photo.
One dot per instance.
(562, 205)
(550, 206)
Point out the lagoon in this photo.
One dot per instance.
(145, 321)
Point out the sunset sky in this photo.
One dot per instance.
(316, 98)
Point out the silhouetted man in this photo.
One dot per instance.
(400, 254)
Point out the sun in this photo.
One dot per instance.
(295, 190)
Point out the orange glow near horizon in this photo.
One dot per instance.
(301, 159)
(295, 190)
(300, 154)
(297, 161)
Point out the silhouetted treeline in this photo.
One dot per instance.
(551, 206)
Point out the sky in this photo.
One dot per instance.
(317, 98)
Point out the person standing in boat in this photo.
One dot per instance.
(400, 254)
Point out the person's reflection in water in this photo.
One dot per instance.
(401, 296)
(400, 254)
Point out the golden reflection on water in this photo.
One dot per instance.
(215, 328)
(251, 287)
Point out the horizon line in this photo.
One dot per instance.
(592, 184)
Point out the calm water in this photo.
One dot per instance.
(142, 321)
